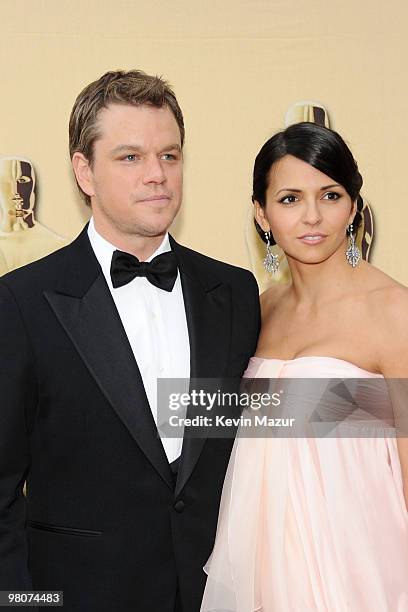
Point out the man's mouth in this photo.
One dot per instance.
(156, 198)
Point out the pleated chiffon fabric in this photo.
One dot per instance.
(313, 524)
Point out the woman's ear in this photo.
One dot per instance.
(353, 211)
(259, 213)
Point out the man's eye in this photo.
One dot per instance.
(331, 195)
(289, 199)
(168, 156)
(131, 157)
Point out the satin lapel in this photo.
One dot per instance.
(93, 324)
(208, 310)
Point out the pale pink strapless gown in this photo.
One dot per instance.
(311, 524)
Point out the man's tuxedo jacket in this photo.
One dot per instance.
(103, 520)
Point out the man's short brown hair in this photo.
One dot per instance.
(132, 87)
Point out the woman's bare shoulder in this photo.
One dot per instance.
(384, 292)
(387, 301)
(393, 303)
(270, 298)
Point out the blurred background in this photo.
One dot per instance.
(236, 67)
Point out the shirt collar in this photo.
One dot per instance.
(104, 250)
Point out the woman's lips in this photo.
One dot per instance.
(312, 239)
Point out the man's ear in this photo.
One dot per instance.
(259, 213)
(83, 173)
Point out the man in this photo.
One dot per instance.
(114, 516)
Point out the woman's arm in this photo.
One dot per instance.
(394, 367)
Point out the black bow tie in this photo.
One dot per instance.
(161, 271)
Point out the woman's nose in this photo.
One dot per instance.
(312, 214)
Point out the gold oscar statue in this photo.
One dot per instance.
(22, 238)
(305, 110)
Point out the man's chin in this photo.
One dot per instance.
(153, 227)
(149, 230)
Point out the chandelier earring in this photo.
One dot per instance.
(353, 255)
(271, 261)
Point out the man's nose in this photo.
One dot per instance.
(153, 171)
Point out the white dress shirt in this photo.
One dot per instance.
(155, 324)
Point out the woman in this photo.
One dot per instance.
(312, 524)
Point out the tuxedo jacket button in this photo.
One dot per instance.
(179, 505)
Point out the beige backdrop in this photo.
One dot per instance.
(236, 67)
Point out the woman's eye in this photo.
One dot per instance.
(289, 199)
(331, 195)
